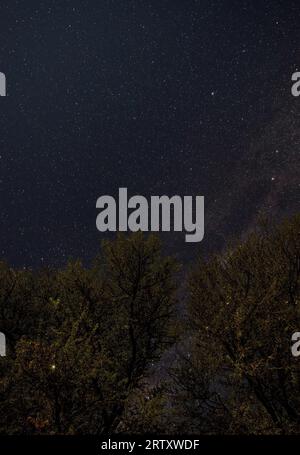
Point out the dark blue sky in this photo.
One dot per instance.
(159, 97)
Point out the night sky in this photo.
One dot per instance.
(162, 97)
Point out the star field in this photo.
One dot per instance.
(160, 97)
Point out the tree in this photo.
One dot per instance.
(236, 373)
(98, 332)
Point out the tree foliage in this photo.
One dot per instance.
(84, 343)
(82, 340)
(236, 373)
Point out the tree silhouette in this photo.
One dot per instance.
(236, 373)
(82, 340)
